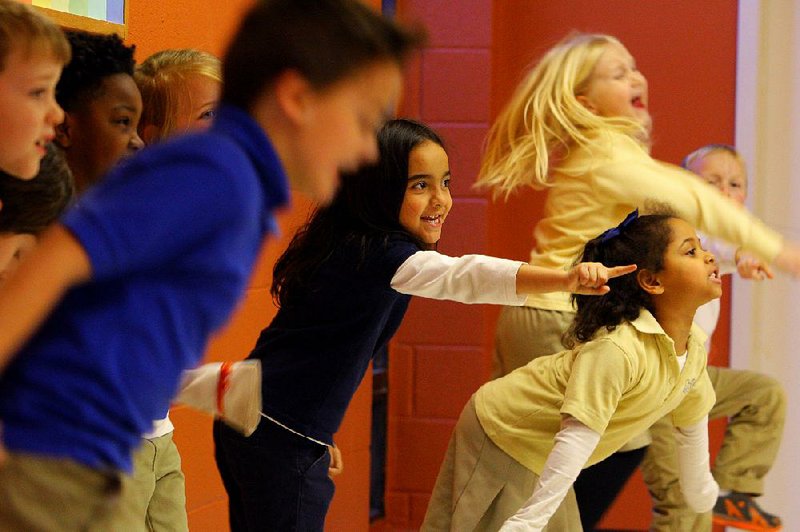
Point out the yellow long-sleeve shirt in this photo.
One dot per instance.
(596, 187)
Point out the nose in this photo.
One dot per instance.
(56, 113)
(710, 258)
(136, 143)
(440, 196)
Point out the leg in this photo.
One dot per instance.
(756, 407)
(139, 490)
(660, 471)
(167, 509)
(525, 333)
(252, 467)
(47, 494)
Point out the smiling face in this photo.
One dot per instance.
(28, 110)
(617, 88)
(427, 199)
(690, 276)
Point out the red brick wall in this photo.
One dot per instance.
(478, 52)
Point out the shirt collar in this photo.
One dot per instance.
(234, 122)
(646, 323)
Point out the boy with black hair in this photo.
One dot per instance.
(123, 293)
(102, 106)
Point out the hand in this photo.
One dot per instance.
(750, 267)
(337, 465)
(590, 278)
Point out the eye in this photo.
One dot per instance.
(208, 115)
(446, 182)
(123, 121)
(38, 93)
(419, 185)
(692, 252)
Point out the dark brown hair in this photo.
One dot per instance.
(322, 40)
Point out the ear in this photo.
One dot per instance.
(587, 103)
(649, 282)
(295, 96)
(64, 133)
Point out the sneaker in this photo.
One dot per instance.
(740, 510)
(230, 391)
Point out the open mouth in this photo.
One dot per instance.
(714, 277)
(434, 221)
(638, 103)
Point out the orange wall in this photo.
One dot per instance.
(153, 26)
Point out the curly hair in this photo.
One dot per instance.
(642, 242)
(94, 58)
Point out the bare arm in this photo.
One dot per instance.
(55, 265)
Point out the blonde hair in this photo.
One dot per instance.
(26, 28)
(544, 118)
(162, 81)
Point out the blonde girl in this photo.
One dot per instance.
(180, 91)
(578, 127)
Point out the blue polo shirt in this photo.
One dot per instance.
(172, 236)
(316, 350)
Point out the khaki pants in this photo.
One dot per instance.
(46, 494)
(479, 486)
(525, 333)
(157, 497)
(756, 407)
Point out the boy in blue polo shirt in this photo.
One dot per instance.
(122, 295)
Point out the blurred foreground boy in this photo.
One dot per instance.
(123, 293)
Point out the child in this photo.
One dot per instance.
(169, 82)
(33, 51)
(180, 92)
(102, 106)
(28, 207)
(754, 404)
(343, 286)
(122, 294)
(637, 359)
(578, 127)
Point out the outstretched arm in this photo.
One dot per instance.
(55, 265)
(574, 444)
(483, 279)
